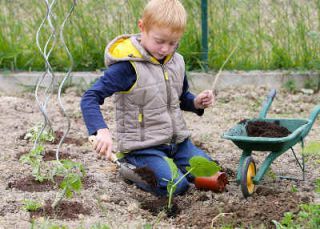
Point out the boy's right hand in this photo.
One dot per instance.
(103, 144)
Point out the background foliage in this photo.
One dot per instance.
(272, 34)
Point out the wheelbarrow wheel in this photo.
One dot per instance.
(247, 174)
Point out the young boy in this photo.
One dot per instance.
(147, 78)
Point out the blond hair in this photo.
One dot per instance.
(165, 13)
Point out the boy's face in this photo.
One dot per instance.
(159, 42)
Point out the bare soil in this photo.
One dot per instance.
(107, 199)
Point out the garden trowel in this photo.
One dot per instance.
(128, 171)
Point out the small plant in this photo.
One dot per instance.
(318, 185)
(294, 188)
(199, 166)
(34, 158)
(46, 135)
(311, 84)
(72, 172)
(44, 223)
(99, 226)
(31, 205)
(270, 173)
(309, 214)
(290, 86)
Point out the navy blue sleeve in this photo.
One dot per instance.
(186, 99)
(118, 77)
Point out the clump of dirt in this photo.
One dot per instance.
(68, 140)
(29, 184)
(65, 210)
(230, 172)
(13, 207)
(155, 206)
(253, 212)
(49, 155)
(57, 137)
(147, 175)
(266, 129)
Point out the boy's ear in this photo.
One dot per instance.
(140, 25)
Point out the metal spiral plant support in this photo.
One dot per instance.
(66, 77)
(45, 52)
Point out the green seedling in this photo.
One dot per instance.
(72, 172)
(287, 220)
(34, 158)
(199, 166)
(270, 173)
(308, 216)
(311, 84)
(99, 226)
(318, 186)
(31, 205)
(33, 133)
(147, 226)
(290, 86)
(294, 188)
(44, 223)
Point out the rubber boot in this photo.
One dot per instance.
(215, 183)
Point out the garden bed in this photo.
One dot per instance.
(109, 200)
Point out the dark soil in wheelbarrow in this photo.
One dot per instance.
(266, 129)
(113, 202)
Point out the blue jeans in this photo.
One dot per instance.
(153, 158)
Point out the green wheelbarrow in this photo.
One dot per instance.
(247, 174)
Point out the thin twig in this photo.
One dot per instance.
(221, 68)
(219, 215)
(158, 219)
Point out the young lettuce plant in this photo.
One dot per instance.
(199, 166)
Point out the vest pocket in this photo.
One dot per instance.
(141, 122)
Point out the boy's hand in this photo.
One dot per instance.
(204, 99)
(103, 145)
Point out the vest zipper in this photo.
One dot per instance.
(141, 121)
(167, 82)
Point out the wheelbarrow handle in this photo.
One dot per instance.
(267, 103)
(312, 118)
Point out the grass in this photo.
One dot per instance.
(271, 34)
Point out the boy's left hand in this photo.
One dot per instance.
(204, 99)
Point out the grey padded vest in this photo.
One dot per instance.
(149, 113)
